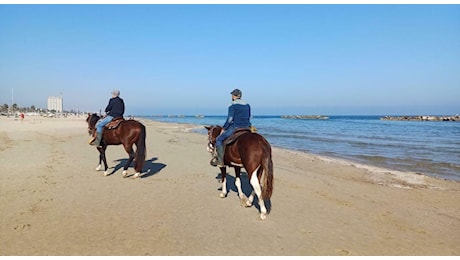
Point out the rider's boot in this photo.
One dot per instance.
(92, 140)
(97, 142)
(218, 159)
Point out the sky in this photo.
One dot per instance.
(305, 59)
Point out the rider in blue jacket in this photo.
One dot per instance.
(239, 115)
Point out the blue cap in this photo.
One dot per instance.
(236, 92)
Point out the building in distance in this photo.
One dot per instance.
(55, 103)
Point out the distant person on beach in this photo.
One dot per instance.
(115, 108)
(22, 116)
(239, 115)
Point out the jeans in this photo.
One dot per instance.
(102, 122)
(226, 134)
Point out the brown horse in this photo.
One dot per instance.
(128, 132)
(253, 152)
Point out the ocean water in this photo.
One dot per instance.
(429, 148)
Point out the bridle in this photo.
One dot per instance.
(90, 128)
(212, 139)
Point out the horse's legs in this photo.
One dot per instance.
(258, 190)
(250, 199)
(243, 199)
(129, 150)
(99, 166)
(223, 171)
(104, 159)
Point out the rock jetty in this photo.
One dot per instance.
(422, 118)
(305, 117)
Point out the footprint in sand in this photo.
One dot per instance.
(22, 226)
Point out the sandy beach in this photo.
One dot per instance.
(54, 202)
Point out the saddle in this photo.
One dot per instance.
(114, 123)
(238, 132)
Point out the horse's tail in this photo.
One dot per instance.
(140, 150)
(267, 175)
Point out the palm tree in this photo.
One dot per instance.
(15, 107)
(5, 107)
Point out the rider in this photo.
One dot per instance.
(115, 108)
(239, 114)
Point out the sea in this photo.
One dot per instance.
(424, 147)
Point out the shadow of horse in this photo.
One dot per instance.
(153, 168)
(245, 187)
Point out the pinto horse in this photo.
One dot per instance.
(253, 152)
(128, 132)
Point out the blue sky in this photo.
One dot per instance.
(185, 59)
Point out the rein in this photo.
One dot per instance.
(92, 120)
(211, 138)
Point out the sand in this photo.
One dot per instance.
(53, 202)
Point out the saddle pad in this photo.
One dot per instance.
(114, 123)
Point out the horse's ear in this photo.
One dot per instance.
(207, 127)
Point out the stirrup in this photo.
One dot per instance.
(214, 162)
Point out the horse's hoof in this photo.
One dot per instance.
(125, 174)
(246, 204)
(263, 216)
(99, 167)
(222, 195)
(137, 175)
(106, 174)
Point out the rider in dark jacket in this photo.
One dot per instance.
(115, 108)
(239, 115)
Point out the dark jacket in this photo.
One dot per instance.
(116, 107)
(239, 115)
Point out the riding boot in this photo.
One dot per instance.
(97, 142)
(92, 140)
(218, 159)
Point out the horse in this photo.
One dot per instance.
(253, 152)
(128, 132)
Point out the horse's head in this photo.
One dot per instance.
(92, 120)
(213, 132)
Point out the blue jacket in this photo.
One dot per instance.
(239, 115)
(116, 107)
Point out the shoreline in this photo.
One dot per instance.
(187, 127)
(53, 202)
(409, 176)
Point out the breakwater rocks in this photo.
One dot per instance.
(305, 117)
(422, 118)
